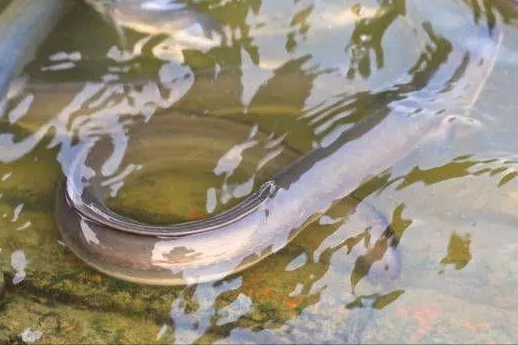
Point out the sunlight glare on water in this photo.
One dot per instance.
(406, 109)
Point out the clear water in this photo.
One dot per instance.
(299, 72)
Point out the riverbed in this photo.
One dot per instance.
(290, 77)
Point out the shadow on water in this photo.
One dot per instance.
(342, 277)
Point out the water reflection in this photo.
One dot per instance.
(368, 35)
(184, 27)
(325, 286)
(200, 256)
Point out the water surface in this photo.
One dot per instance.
(290, 75)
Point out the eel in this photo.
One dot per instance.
(266, 221)
(185, 26)
(171, 131)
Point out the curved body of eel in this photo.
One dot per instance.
(266, 221)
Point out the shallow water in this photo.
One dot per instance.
(299, 72)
